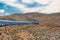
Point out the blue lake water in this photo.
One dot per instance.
(8, 22)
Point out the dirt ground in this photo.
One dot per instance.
(29, 32)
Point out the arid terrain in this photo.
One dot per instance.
(47, 29)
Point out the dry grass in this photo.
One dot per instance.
(48, 29)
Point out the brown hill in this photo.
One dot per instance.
(48, 29)
(44, 19)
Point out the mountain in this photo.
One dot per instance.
(44, 19)
(49, 27)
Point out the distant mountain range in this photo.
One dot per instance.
(45, 19)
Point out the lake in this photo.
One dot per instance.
(9, 22)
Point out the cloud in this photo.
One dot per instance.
(52, 8)
(2, 11)
(41, 6)
(8, 1)
(24, 7)
(28, 1)
(12, 10)
(42, 1)
(38, 1)
(9, 10)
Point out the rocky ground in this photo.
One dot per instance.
(48, 29)
(28, 33)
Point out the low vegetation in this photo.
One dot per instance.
(48, 29)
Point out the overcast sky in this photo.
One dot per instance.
(8, 7)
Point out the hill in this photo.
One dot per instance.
(48, 29)
(45, 19)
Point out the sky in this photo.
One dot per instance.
(9, 7)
